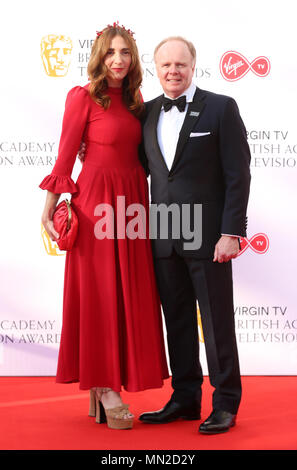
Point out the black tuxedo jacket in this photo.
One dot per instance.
(211, 169)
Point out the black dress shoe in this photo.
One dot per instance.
(219, 421)
(171, 412)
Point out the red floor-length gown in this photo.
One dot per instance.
(112, 329)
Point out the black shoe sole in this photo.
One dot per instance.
(186, 418)
(216, 432)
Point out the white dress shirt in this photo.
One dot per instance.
(169, 127)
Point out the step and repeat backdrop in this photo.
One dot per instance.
(245, 50)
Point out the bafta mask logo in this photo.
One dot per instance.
(51, 247)
(56, 54)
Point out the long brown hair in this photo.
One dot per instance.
(97, 71)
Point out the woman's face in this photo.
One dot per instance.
(117, 60)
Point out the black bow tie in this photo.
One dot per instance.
(180, 103)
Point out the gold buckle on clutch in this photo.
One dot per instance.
(69, 214)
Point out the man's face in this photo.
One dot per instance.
(175, 67)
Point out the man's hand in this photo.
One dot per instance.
(81, 152)
(226, 248)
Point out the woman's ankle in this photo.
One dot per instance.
(111, 399)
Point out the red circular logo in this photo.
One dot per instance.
(234, 66)
(259, 243)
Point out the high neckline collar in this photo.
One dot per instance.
(114, 90)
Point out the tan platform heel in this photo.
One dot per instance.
(96, 409)
(115, 417)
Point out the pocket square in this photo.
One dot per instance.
(199, 134)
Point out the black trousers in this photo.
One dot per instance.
(181, 282)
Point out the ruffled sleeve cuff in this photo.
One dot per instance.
(58, 184)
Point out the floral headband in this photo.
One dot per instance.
(115, 25)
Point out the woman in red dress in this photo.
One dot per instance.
(112, 331)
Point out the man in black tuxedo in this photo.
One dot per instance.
(196, 152)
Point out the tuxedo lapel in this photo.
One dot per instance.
(151, 129)
(195, 108)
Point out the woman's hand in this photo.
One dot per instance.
(81, 152)
(47, 215)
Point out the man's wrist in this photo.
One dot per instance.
(232, 236)
(229, 235)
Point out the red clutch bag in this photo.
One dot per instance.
(66, 223)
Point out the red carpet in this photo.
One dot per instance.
(36, 413)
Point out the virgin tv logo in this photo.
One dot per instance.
(234, 66)
(259, 243)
